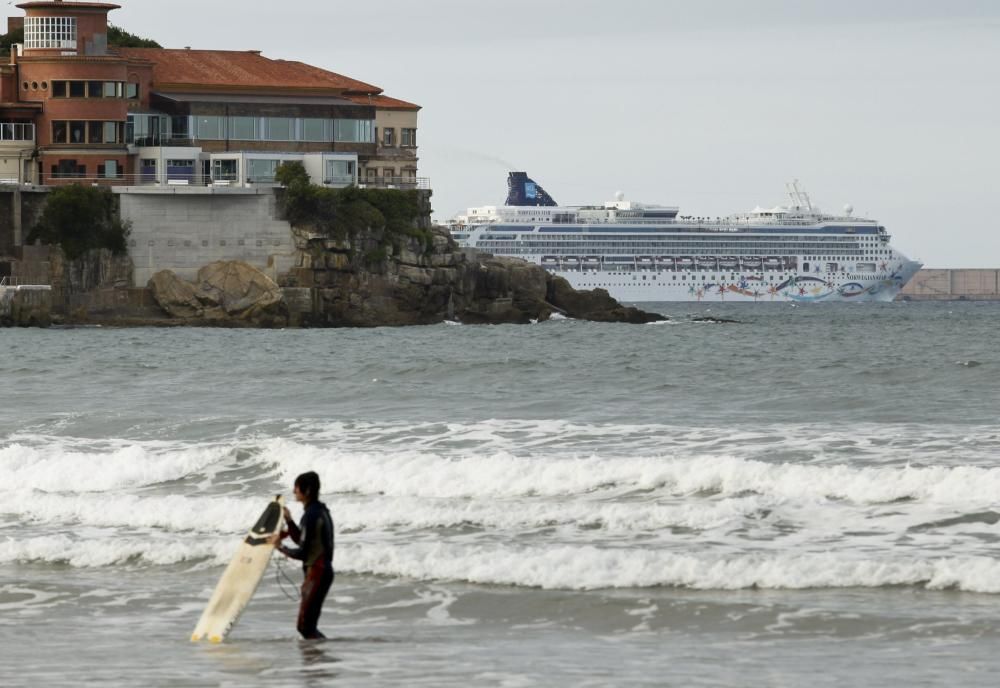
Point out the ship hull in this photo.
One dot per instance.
(752, 287)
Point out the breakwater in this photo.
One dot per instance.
(963, 284)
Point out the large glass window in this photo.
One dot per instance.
(111, 132)
(210, 127)
(179, 127)
(262, 171)
(243, 128)
(50, 32)
(316, 129)
(280, 128)
(339, 172)
(354, 130)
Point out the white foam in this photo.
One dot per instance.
(588, 567)
(424, 474)
(63, 465)
(115, 550)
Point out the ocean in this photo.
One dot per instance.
(807, 497)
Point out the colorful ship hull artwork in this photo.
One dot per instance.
(643, 253)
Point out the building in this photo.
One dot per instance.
(74, 109)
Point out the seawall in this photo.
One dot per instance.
(964, 284)
(183, 230)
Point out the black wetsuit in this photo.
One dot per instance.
(314, 537)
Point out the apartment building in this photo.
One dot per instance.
(74, 109)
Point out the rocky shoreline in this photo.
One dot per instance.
(337, 284)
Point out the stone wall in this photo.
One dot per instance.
(20, 208)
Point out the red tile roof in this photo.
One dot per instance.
(384, 102)
(240, 70)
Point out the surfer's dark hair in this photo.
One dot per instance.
(308, 484)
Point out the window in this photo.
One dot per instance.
(77, 89)
(132, 90)
(408, 138)
(339, 172)
(388, 133)
(315, 129)
(58, 89)
(224, 170)
(243, 128)
(50, 32)
(108, 170)
(354, 130)
(388, 173)
(60, 132)
(68, 168)
(280, 128)
(112, 89)
(95, 89)
(179, 127)
(261, 171)
(111, 132)
(96, 132)
(210, 127)
(77, 132)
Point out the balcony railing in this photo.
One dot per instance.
(17, 131)
(395, 183)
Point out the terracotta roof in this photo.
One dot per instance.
(234, 70)
(384, 102)
(60, 5)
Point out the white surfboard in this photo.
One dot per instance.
(240, 580)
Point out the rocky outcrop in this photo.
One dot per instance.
(426, 279)
(225, 292)
(25, 307)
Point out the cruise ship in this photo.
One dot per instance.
(647, 253)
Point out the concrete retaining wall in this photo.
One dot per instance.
(186, 228)
(952, 285)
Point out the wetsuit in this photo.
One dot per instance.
(314, 537)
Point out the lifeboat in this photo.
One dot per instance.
(729, 263)
(751, 263)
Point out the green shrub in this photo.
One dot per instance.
(350, 211)
(80, 218)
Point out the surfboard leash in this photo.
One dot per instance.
(279, 572)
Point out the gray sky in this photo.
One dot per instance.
(712, 105)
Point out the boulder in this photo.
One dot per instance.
(241, 291)
(176, 296)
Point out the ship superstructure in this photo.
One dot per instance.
(649, 253)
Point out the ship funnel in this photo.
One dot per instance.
(522, 190)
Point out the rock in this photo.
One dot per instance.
(176, 296)
(241, 291)
(225, 292)
(595, 304)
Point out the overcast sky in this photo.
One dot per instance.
(712, 105)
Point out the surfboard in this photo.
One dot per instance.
(241, 577)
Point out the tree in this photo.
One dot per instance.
(121, 38)
(80, 218)
(8, 40)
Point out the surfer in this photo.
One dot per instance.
(314, 537)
